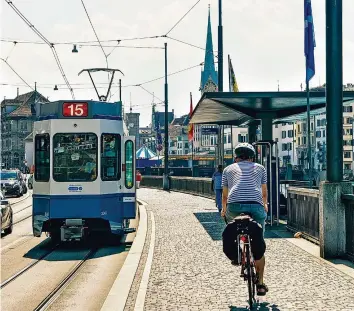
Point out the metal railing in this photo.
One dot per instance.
(303, 212)
(349, 220)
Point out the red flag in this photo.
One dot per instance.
(190, 125)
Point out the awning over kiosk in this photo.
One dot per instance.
(241, 108)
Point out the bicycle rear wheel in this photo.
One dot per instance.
(249, 277)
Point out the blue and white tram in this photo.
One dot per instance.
(84, 178)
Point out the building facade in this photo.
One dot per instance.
(17, 118)
(133, 125)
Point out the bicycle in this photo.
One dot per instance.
(246, 259)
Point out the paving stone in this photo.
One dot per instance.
(190, 271)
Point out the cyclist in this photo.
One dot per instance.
(245, 190)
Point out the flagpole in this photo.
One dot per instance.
(232, 141)
(309, 155)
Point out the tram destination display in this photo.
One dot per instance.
(75, 110)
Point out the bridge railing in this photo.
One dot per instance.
(303, 212)
(349, 220)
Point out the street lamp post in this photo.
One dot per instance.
(166, 185)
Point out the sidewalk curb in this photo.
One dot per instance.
(118, 295)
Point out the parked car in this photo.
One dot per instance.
(12, 182)
(6, 215)
(30, 182)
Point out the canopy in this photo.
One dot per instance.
(241, 108)
(145, 153)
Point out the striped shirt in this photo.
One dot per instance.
(244, 181)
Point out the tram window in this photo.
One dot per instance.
(75, 157)
(129, 164)
(110, 157)
(42, 157)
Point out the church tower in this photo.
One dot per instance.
(209, 76)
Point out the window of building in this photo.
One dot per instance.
(283, 134)
(347, 166)
(323, 122)
(110, 157)
(42, 157)
(290, 146)
(284, 147)
(298, 141)
(129, 164)
(298, 128)
(290, 133)
(283, 124)
(186, 145)
(276, 139)
(304, 140)
(324, 133)
(276, 126)
(311, 126)
(229, 139)
(75, 157)
(312, 140)
(318, 134)
(347, 154)
(318, 122)
(347, 109)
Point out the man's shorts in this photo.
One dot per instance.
(234, 228)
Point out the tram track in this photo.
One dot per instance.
(22, 209)
(56, 292)
(22, 199)
(27, 268)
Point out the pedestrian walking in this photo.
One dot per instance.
(216, 187)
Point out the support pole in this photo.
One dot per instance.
(120, 90)
(334, 90)
(166, 185)
(309, 155)
(220, 51)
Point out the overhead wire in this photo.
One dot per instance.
(174, 26)
(93, 28)
(23, 80)
(51, 45)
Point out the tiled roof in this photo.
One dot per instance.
(26, 109)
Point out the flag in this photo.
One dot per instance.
(190, 125)
(232, 79)
(310, 42)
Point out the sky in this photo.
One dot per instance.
(264, 38)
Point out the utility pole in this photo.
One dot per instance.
(334, 90)
(220, 80)
(166, 185)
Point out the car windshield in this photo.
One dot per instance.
(8, 175)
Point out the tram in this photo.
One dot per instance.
(84, 173)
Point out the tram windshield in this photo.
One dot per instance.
(75, 157)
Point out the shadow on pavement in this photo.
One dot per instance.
(214, 225)
(263, 306)
(67, 251)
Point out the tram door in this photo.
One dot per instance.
(129, 175)
(267, 155)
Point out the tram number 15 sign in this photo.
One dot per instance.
(75, 110)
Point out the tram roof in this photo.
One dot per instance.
(241, 108)
(95, 110)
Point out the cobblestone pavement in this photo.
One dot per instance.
(191, 272)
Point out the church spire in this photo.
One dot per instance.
(209, 76)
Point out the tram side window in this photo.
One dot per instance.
(42, 157)
(129, 164)
(110, 157)
(75, 157)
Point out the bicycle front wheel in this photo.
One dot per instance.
(249, 277)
